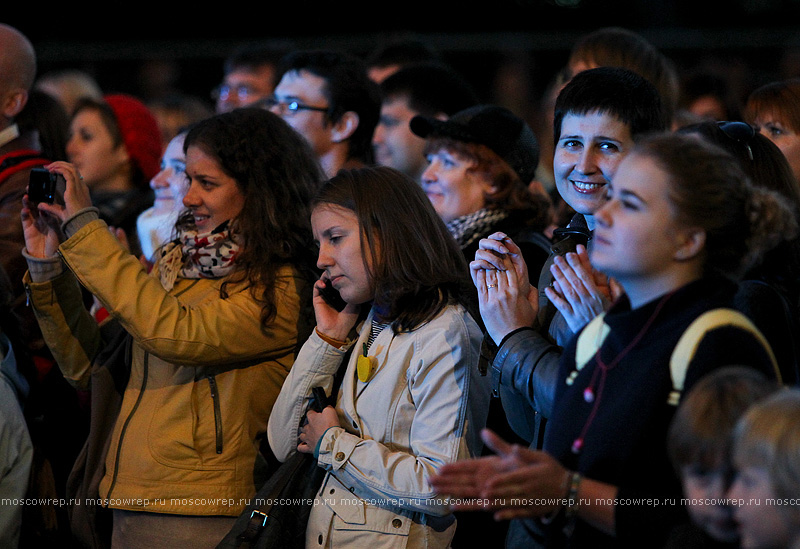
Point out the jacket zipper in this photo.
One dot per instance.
(212, 384)
(125, 425)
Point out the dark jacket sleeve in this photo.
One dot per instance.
(524, 374)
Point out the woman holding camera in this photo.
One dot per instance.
(212, 328)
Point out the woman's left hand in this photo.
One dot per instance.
(76, 195)
(315, 427)
(504, 306)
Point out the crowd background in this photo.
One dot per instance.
(512, 54)
(510, 51)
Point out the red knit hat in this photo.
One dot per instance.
(140, 132)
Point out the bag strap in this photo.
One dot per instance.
(691, 338)
(594, 334)
(260, 515)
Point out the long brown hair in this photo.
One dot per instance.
(416, 266)
(278, 174)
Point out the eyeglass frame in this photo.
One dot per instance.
(729, 128)
(292, 107)
(241, 92)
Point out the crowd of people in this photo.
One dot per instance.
(582, 337)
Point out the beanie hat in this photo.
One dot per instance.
(140, 132)
(493, 126)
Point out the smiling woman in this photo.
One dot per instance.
(212, 329)
(681, 224)
(480, 163)
(213, 196)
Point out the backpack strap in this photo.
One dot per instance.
(687, 345)
(593, 335)
(590, 340)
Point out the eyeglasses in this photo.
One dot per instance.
(289, 107)
(224, 92)
(741, 132)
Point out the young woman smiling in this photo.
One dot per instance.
(682, 221)
(213, 327)
(115, 143)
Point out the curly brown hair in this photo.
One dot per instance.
(278, 174)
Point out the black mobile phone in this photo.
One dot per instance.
(319, 399)
(45, 186)
(331, 296)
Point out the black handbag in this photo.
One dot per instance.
(278, 514)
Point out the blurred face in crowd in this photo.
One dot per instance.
(761, 525)
(452, 186)
(245, 86)
(170, 184)
(306, 91)
(784, 137)
(395, 144)
(586, 157)
(102, 164)
(213, 196)
(706, 491)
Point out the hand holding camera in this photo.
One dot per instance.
(55, 193)
(69, 192)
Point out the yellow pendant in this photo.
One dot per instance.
(365, 367)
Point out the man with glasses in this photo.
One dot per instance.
(249, 77)
(329, 99)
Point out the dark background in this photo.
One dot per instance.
(150, 50)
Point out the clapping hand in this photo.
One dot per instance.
(506, 298)
(515, 482)
(580, 292)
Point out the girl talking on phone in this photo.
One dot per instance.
(411, 398)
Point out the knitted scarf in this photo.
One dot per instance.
(197, 255)
(468, 228)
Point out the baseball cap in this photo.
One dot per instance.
(495, 127)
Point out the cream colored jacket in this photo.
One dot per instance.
(423, 407)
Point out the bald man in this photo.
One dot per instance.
(19, 152)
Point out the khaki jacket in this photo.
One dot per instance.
(424, 406)
(204, 375)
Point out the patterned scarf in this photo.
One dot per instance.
(468, 228)
(197, 255)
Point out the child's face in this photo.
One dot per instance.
(706, 491)
(762, 524)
